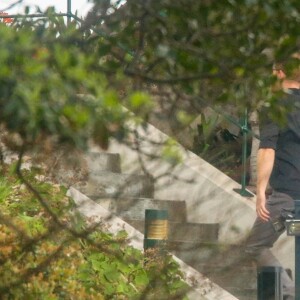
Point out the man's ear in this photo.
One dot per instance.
(281, 74)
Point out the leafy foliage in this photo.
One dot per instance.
(40, 259)
(204, 52)
(43, 81)
(215, 51)
(218, 146)
(199, 53)
(69, 83)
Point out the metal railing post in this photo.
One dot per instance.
(245, 129)
(69, 11)
(244, 152)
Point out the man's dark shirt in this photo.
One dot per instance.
(285, 141)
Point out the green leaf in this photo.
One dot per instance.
(141, 278)
(111, 274)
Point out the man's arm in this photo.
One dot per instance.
(265, 163)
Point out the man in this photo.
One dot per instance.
(278, 163)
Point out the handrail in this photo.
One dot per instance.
(68, 14)
(32, 16)
(245, 131)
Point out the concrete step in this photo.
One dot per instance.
(238, 280)
(134, 208)
(116, 185)
(237, 277)
(101, 161)
(194, 232)
(227, 266)
(184, 232)
(243, 294)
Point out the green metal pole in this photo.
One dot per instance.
(245, 130)
(69, 11)
(244, 154)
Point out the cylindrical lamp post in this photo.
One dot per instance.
(156, 228)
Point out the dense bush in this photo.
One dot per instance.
(46, 258)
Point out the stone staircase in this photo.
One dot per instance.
(128, 195)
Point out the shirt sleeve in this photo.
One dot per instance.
(269, 135)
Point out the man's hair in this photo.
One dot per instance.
(294, 75)
(277, 66)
